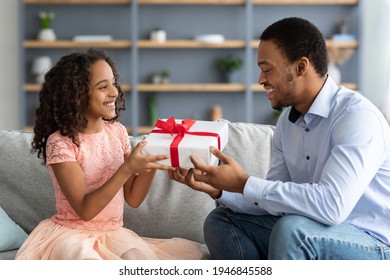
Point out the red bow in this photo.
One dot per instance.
(172, 127)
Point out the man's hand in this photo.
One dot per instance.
(229, 176)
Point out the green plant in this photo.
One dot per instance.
(165, 73)
(46, 18)
(229, 63)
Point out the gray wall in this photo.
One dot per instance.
(373, 79)
(9, 95)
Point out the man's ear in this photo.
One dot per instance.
(302, 65)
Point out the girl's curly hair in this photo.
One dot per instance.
(64, 98)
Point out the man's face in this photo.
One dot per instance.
(277, 75)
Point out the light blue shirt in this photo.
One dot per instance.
(332, 165)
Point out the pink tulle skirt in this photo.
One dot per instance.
(51, 241)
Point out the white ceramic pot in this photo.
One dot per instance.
(47, 34)
(158, 36)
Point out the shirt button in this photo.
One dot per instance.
(307, 129)
(256, 203)
(307, 157)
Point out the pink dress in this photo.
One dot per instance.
(67, 236)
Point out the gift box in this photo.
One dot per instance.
(183, 138)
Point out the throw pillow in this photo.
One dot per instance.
(12, 235)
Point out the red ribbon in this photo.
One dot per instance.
(170, 126)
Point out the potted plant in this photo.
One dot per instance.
(165, 76)
(228, 65)
(46, 33)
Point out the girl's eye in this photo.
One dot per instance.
(103, 87)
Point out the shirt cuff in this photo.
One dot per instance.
(254, 189)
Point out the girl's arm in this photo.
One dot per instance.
(89, 204)
(137, 188)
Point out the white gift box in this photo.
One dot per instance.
(180, 146)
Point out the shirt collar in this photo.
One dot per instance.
(322, 103)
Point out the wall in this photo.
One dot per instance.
(185, 65)
(9, 96)
(373, 81)
(375, 60)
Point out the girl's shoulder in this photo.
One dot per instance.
(57, 136)
(60, 148)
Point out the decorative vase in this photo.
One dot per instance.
(334, 72)
(159, 36)
(40, 66)
(229, 76)
(47, 34)
(156, 78)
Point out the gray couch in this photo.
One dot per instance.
(170, 210)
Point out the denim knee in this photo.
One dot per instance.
(213, 220)
(287, 236)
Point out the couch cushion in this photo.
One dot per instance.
(12, 235)
(250, 145)
(27, 195)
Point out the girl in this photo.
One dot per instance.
(87, 151)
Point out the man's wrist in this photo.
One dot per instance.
(217, 195)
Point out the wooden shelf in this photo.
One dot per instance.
(31, 87)
(242, 2)
(260, 88)
(155, 45)
(329, 43)
(305, 2)
(196, 2)
(342, 45)
(78, 2)
(191, 2)
(73, 44)
(189, 44)
(141, 130)
(191, 87)
(210, 87)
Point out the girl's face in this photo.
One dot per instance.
(102, 92)
(277, 76)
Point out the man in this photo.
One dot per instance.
(327, 193)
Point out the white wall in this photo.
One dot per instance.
(375, 60)
(9, 99)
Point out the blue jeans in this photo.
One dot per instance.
(236, 236)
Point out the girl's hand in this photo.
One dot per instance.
(137, 162)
